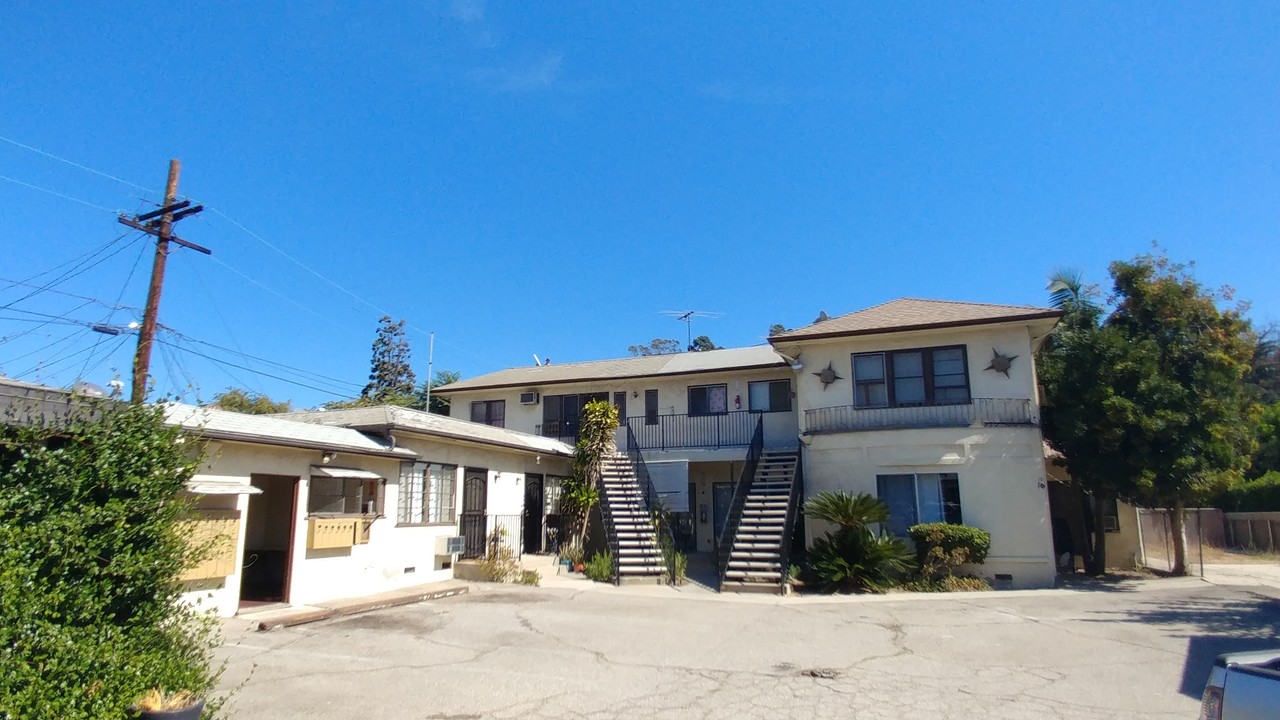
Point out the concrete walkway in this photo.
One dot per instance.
(272, 618)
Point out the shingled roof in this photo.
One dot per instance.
(687, 363)
(915, 314)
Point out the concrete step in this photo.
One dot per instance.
(763, 576)
(751, 587)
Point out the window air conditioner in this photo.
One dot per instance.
(451, 545)
(528, 398)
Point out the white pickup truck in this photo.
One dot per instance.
(1243, 686)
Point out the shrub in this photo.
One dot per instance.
(1258, 495)
(948, 584)
(500, 562)
(943, 547)
(600, 567)
(90, 555)
(530, 577)
(854, 558)
(682, 568)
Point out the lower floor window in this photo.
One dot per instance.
(344, 496)
(427, 493)
(915, 498)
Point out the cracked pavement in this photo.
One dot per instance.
(1134, 650)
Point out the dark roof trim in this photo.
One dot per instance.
(385, 428)
(204, 434)
(445, 389)
(927, 326)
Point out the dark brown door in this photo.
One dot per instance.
(533, 507)
(475, 489)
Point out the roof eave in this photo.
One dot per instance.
(231, 436)
(1050, 314)
(641, 376)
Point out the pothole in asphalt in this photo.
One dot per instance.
(821, 673)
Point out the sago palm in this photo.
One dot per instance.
(847, 510)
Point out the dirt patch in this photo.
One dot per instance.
(508, 598)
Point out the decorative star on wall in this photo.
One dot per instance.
(1001, 363)
(827, 376)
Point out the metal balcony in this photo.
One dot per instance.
(670, 432)
(981, 412)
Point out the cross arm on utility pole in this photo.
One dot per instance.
(158, 222)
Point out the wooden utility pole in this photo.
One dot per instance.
(160, 224)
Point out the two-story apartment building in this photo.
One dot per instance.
(930, 405)
(692, 415)
(933, 407)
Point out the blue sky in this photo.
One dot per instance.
(546, 178)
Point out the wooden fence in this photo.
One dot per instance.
(1253, 530)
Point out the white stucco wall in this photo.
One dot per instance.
(395, 556)
(673, 399)
(1015, 340)
(1003, 488)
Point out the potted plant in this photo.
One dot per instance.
(156, 704)
(573, 554)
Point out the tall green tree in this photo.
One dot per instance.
(703, 343)
(1193, 435)
(656, 346)
(391, 378)
(1083, 417)
(250, 403)
(1150, 404)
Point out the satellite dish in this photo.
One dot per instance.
(88, 389)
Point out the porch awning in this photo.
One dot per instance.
(221, 487)
(343, 473)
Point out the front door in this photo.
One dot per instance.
(268, 544)
(475, 492)
(533, 505)
(721, 499)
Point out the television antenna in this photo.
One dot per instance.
(687, 316)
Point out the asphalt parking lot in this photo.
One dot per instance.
(1139, 649)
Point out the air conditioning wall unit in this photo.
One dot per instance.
(529, 398)
(455, 545)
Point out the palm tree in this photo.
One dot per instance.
(1066, 285)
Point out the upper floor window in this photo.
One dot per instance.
(769, 396)
(708, 399)
(489, 412)
(925, 376)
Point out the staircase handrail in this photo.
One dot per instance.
(740, 491)
(653, 505)
(610, 529)
(794, 499)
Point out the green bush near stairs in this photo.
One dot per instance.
(599, 567)
(853, 557)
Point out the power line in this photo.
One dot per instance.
(52, 318)
(55, 193)
(112, 314)
(79, 269)
(315, 376)
(20, 283)
(249, 369)
(271, 290)
(75, 164)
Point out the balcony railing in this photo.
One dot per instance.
(981, 412)
(562, 431)
(722, 430)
